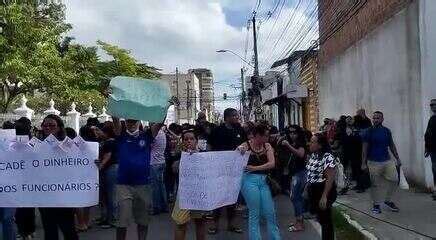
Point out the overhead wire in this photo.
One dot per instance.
(286, 27)
(336, 27)
(311, 11)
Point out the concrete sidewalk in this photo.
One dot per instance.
(416, 219)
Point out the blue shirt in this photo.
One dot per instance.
(133, 154)
(379, 140)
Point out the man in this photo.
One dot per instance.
(160, 202)
(361, 121)
(430, 143)
(7, 214)
(203, 129)
(384, 175)
(227, 137)
(133, 148)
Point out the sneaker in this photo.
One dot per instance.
(106, 226)
(376, 209)
(392, 206)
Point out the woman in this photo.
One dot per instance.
(255, 189)
(297, 171)
(182, 216)
(108, 170)
(57, 218)
(321, 189)
(25, 217)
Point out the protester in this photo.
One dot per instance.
(172, 154)
(89, 134)
(254, 187)
(282, 154)
(57, 218)
(321, 189)
(337, 147)
(430, 143)
(227, 137)
(133, 148)
(183, 216)
(157, 162)
(108, 171)
(361, 120)
(297, 170)
(352, 154)
(7, 214)
(203, 129)
(24, 217)
(377, 141)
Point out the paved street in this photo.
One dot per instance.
(162, 228)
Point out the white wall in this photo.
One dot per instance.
(383, 72)
(427, 34)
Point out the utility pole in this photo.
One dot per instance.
(256, 60)
(255, 97)
(188, 102)
(244, 114)
(177, 94)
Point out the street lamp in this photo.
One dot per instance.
(237, 55)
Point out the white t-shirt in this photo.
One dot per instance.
(158, 149)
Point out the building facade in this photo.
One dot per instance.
(186, 88)
(381, 55)
(297, 95)
(205, 78)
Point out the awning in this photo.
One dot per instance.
(293, 91)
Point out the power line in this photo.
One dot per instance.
(290, 19)
(302, 24)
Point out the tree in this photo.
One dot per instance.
(36, 60)
(29, 58)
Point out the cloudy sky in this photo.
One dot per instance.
(186, 33)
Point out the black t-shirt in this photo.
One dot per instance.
(430, 135)
(110, 146)
(297, 164)
(223, 138)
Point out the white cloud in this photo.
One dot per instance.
(165, 33)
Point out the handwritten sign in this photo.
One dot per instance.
(210, 180)
(49, 174)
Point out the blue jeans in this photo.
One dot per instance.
(297, 189)
(159, 195)
(109, 184)
(8, 225)
(259, 201)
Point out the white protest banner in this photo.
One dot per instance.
(49, 174)
(6, 137)
(210, 180)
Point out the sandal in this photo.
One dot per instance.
(212, 231)
(235, 229)
(293, 228)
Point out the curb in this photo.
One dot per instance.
(368, 235)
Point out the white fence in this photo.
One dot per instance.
(73, 118)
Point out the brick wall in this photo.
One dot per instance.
(308, 78)
(360, 17)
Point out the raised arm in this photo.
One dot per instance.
(300, 152)
(117, 126)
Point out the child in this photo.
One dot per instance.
(182, 216)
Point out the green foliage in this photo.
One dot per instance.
(29, 58)
(37, 60)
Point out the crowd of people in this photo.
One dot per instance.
(139, 165)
